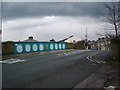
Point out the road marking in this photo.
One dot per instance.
(90, 58)
(72, 52)
(110, 88)
(11, 61)
(1, 61)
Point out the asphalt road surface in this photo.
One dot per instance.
(53, 70)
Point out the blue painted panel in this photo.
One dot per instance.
(23, 47)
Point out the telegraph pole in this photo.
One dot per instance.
(86, 36)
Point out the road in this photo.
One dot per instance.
(53, 70)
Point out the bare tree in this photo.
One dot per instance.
(112, 16)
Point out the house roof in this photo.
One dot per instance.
(69, 40)
(30, 39)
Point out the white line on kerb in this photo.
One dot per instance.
(93, 60)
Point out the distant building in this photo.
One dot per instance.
(52, 40)
(30, 39)
(103, 43)
(72, 39)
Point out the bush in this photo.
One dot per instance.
(7, 48)
(70, 46)
(80, 45)
(115, 40)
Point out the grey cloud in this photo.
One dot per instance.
(14, 10)
(58, 29)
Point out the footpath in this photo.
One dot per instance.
(107, 77)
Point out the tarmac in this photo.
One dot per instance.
(13, 56)
(107, 77)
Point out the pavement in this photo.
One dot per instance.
(107, 77)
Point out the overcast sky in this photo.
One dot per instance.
(50, 20)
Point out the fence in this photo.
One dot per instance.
(23, 47)
(115, 48)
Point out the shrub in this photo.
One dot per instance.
(7, 47)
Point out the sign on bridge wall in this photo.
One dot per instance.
(23, 47)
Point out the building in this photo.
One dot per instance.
(30, 39)
(103, 43)
(72, 39)
(52, 40)
(32, 45)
